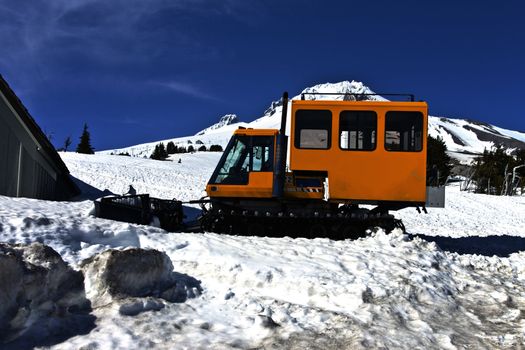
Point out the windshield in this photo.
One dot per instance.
(242, 155)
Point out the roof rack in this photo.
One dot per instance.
(412, 98)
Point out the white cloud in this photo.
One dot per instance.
(187, 89)
(39, 38)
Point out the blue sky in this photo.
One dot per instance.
(139, 71)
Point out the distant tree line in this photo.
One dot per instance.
(493, 171)
(161, 152)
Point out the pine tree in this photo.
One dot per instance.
(191, 149)
(202, 148)
(155, 153)
(215, 148)
(438, 161)
(490, 170)
(67, 143)
(85, 143)
(162, 151)
(159, 153)
(171, 148)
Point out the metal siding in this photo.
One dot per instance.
(4, 141)
(44, 175)
(37, 177)
(8, 154)
(11, 170)
(28, 174)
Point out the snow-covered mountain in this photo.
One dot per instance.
(464, 138)
(467, 138)
(228, 119)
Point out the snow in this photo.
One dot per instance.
(469, 214)
(225, 120)
(443, 127)
(383, 291)
(511, 133)
(161, 179)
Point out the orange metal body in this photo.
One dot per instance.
(259, 185)
(377, 175)
(353, 176)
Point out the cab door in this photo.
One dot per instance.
(245, 169)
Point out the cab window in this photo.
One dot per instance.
(404, 131)
(243, 155)
(313, 129)
(357, 130)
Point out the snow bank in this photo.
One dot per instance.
(35, 283)
(117, 274)
(382, 291)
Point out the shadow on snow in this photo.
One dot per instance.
(501, 246)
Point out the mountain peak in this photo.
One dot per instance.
(343, 87)
(227, 119)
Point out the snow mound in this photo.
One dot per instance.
(35, 283)
(117, 274)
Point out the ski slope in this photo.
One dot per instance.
(383, 291)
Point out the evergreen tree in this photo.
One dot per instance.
(191, 149)
(155, 153)
(202, 148)
(162, 151)
(438, 161)
(159, 153)
(84, 145)
(520, 156)
(171, 148)
(490, 170)
(67, 143)
(215, 148)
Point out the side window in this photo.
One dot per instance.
(313, 129)
(262, 153)
(404, 131)
(358, 130)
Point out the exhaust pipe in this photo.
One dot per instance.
(279, 171)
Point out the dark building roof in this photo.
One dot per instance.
(38, 134)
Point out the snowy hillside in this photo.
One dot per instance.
(464, 138)
(228, 119)
(383, 291)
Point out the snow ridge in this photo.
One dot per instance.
(227, 119)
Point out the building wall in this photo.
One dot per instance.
(25, 171)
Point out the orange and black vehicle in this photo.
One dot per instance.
(341, 154)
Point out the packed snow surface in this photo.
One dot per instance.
(383, 291)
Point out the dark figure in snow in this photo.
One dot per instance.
(180, 161)
(131, 191)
